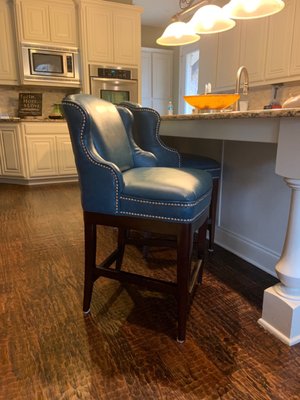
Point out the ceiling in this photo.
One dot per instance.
(160, 12)
(157, 12)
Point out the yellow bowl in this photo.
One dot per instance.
(212, 101)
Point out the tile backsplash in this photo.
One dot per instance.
(9, 98)
(258, 97)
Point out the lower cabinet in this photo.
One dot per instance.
(11, 151)
(65, 157)
(36, 152)
(49, 150)
(41, 152)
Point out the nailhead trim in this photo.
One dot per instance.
(157, 130)
(88, 155)
(165, 218)
(116, 178)
(160, 203)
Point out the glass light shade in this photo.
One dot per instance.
(211, 19)
(245, 9)
(178, 34)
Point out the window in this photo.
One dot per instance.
(189, 75)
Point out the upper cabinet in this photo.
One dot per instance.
(228, 57)
(208, 46)
(8, 59)
(48, 22)
(253, 46)
(268, 47)
(279, 42)
(295, 50)
(110, 32)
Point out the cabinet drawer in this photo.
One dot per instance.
(39, 128)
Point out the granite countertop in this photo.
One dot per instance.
(275, 113)
(30, 119)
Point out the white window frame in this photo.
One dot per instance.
(184, 50)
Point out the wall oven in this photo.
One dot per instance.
(114, 84)
(50, 66)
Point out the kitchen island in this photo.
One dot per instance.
(281, 305)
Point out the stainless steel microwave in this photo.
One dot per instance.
(50, 66)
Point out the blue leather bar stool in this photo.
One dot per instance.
(122, 186)
(146, 134)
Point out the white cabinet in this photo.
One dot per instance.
(295, 52)
(36, 152)
(12, 161)
(279, 41)
(157, 68)
(41, 155)
(49, 150)
(50, 22)
(65, 157)
(8, 59)
(253, 48)
(268, 47)
(208, 47)
(228, 58)
(127, 36)
(111, 33)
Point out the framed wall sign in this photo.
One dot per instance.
(30, 104)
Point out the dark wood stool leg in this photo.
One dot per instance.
(90, 237)
(212, 215)
(201, 249)
(122, 235)
(184, 258)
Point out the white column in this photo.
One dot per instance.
(281, 305)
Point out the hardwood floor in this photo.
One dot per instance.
(125, 349)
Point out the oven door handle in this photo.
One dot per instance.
(113, 80)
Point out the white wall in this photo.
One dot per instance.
(253, 201)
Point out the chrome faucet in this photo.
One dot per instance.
(241, 71)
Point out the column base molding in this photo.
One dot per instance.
(281, 316)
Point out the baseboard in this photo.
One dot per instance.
(38, 181)
(248, 250)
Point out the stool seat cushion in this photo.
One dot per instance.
(173, 194)
(200, 162)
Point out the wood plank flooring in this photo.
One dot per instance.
(125, 349)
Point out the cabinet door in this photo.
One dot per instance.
(146, 78)
(279, 42)
(35, 21)
(99, 34)
(66, 162)
(253, 47)
(42, 159)
(127, 37)
(8, 71)
(228, 58)
(161, 80)
(63, 24)
(208, 56)
(11, 157)
(295, 55)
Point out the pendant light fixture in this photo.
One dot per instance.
(178, 34)
(209, 18)
(245, 9)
